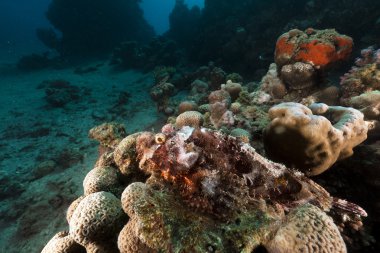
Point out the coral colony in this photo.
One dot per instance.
(233, 169)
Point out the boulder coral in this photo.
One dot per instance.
(307, 224)
(62, 242)
(317, 141)
(320, 48)
(102, 179)
(97, 218)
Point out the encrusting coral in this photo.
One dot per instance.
(316, 142)
(321, 48)
(108, 134)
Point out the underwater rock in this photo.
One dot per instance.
(58, 93)
(185, 106)
(232, 88)
(95, 32)
(34, 62)
(368, 103)
(320, 48)
(161, 94)
(108, 134)
(272, 84)
(160, 51)
(320, 141)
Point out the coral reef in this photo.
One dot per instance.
(183, 22)
(364, 77)
(320, 141)
(206, 192)
(239, 36)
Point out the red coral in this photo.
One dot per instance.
(318, 47)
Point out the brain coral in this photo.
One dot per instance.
(316, 142)
(102, 179)
(189, 118)
(72, 208)
(97, 218)
(63, 243)
(307, 229)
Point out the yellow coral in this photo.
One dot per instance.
(316, 143)
(307, 229)
(189, 118)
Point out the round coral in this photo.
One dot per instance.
(102, 179)
(219, 96)
(72, 208)
(63, 243)
(232, 88)
(98, 217)
(129, 242)
(307, 229)
(241, 134)
(189, 118)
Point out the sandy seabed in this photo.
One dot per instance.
(45, 152)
